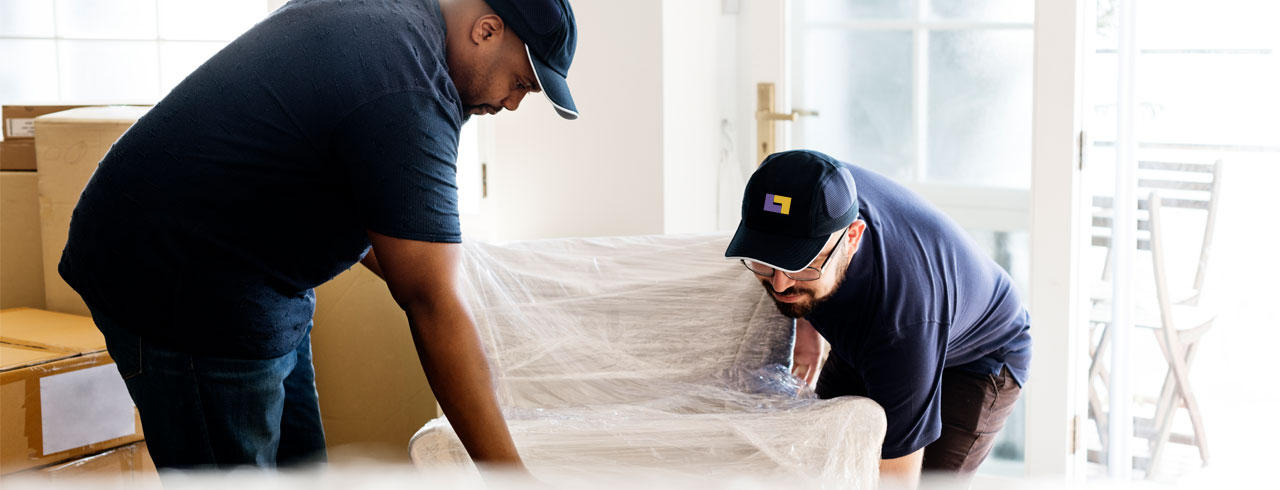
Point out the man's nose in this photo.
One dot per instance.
(512, 102)
(780, 281)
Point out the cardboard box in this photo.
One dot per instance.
(130, 464)
(18, 154)
(18, 121)
(360, 336)
(69, 145)
(17, 125)
(21, 264)
(127, 467)
(61, 397)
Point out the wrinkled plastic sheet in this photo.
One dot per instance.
(652, 353)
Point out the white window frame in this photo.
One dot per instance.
(1049, 209)
(157, 41)
(1002, 209)
(1056, 394)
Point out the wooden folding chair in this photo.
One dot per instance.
(1178, 337)
(1189, 186)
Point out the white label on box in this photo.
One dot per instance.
(84, 407)
(20, 127)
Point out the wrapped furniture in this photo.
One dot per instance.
(650, 354)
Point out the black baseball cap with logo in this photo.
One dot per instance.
(550, 37)
(793, 203)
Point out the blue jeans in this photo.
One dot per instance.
(213, 412)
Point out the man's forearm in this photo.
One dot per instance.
(902, 472)
(453, 359)
(807, 353)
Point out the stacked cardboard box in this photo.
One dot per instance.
(70, 144)
(17, 124)
(18, 150)
(61, 397)
(127, 466)
(21, 265)
(21, 276)
(32, 210)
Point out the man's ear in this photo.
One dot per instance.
(487, 28)
(855, 234)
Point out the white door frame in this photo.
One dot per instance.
(1054, 395)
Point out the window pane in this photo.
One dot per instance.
(107, 19)
(860, 82)
(1012, 250)
(179, 59)
(29, 72)
(828, 10)
(26, 18)
(221, 20)
(983, 10)
(979, 114)
(109, 70)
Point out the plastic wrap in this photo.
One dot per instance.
(653, 352)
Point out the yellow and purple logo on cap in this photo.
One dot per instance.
(777, 204)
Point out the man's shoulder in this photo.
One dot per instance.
(350, 54)
(409, 12)
(362, 27)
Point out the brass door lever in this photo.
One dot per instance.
(766, 134)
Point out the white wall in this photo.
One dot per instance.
(598, 175)
(643, 157)
(691, 114)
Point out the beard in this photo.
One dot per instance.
(799, 308)
(811, 301)
(472, 85)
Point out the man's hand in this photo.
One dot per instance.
(807, 353)
(422, 277)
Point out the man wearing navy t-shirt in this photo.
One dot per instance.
(918, 318)
(325, 135)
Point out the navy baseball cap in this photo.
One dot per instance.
(793, 203)
(550, 36)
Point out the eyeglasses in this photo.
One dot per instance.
(809, 273)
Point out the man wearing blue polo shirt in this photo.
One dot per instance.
(325, 135)
(918, 318)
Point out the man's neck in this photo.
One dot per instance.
(460, 14)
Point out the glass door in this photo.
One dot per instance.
(973, 104)
(938, 96)
(1181, 103)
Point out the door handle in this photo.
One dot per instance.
(766, 134)
(794, 115)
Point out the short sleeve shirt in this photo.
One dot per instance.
(208, 224)
(919, 296)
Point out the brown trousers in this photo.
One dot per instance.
(974, 408)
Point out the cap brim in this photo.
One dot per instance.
(554, 87)
(781, 252)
